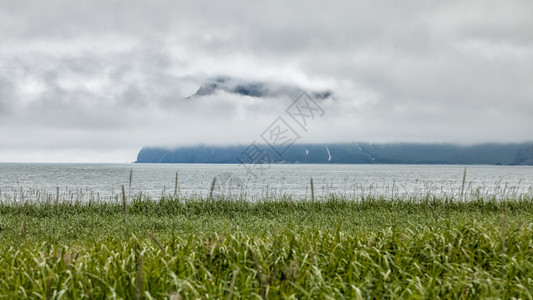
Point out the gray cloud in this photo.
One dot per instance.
(99, 79)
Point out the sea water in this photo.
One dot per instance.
(86, 182)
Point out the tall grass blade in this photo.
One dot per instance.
(24, 228)
(263, 280)
(156, 241)
(463, 186)
(312, 191)
(212, 188)
(57, 194)
(232, 284)
(504, 225)
(176, 186)
(139, 281)
(131, 177)
(124, 201)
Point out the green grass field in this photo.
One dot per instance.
(276, 248)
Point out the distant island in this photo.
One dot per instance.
(349, 153)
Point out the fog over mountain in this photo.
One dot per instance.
(256, 89)
(95, 81)
(351, 153)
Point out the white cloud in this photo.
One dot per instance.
(100, 79)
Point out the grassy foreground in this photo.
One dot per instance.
(185, 248)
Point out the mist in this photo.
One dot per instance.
(95, 81)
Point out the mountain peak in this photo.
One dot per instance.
(256, 89)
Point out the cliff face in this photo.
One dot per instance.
(490, 154)
(524, 157)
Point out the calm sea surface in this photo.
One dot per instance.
(86, 182)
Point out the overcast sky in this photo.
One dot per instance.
(94, 81)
